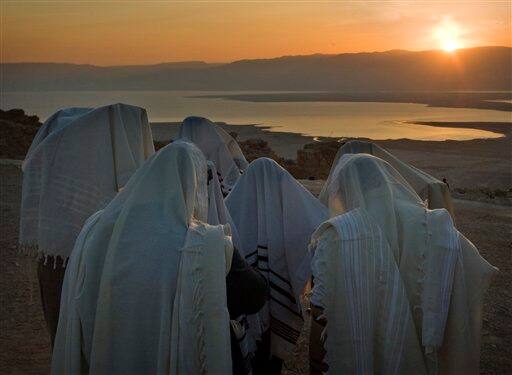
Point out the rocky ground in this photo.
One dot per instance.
(24, 343)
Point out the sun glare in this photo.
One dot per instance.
(447, 34)
(450, 45)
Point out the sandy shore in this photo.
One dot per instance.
(470, 165)
(24, 343)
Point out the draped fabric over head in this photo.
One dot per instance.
(402, 289)
(430, 189)
(217, 211)
(275, 217)
(218, 147)
(78, 161)
(145, 287)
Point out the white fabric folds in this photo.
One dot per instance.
(402, 289)
(275, 217)
(357, 282)
(430, 189)
(218, 147)
(145, 287)
(78, 161)
(217, 211)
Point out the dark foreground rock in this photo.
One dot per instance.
(16, 133)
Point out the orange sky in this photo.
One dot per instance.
(147, 32)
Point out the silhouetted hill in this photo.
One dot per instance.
(481, 68)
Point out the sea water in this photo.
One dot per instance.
(332, 119)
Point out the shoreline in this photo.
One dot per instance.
(478, 169)
(286, 144)
(494, 100)
(504, 128)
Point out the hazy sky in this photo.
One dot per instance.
(147, 32)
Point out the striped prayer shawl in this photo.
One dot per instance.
(78, 161)
(369, 323)
(275, 217)
(383, 220)
(442, 252)
(145, 289)
(282, 314)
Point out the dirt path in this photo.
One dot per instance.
(24, 343)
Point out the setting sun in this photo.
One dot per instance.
(447, 33)
(450, 45)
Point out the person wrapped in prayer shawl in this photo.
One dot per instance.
(430, 189)
(275, 217)
(149, 287)
(218, 147)
(78, 161)
(218, 214)
(400, 289)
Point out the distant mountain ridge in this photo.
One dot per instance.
(480, 68)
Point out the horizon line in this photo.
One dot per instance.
(252, 59)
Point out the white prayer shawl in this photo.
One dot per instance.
(218, 147)
(275, 217)
(78, 161)
(145, 288)
(217, 211)
(436, 193)
(383, 220)
(369, 329)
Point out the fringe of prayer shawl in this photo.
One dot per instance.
(33, 251)
(198, 300)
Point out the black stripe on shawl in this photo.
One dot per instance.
(251, 254)
(256, 252)
(283, 330)
(284, 337)
(281, 278)
(283, 333)
(282, 291)
(289, 308)
(280, 323)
